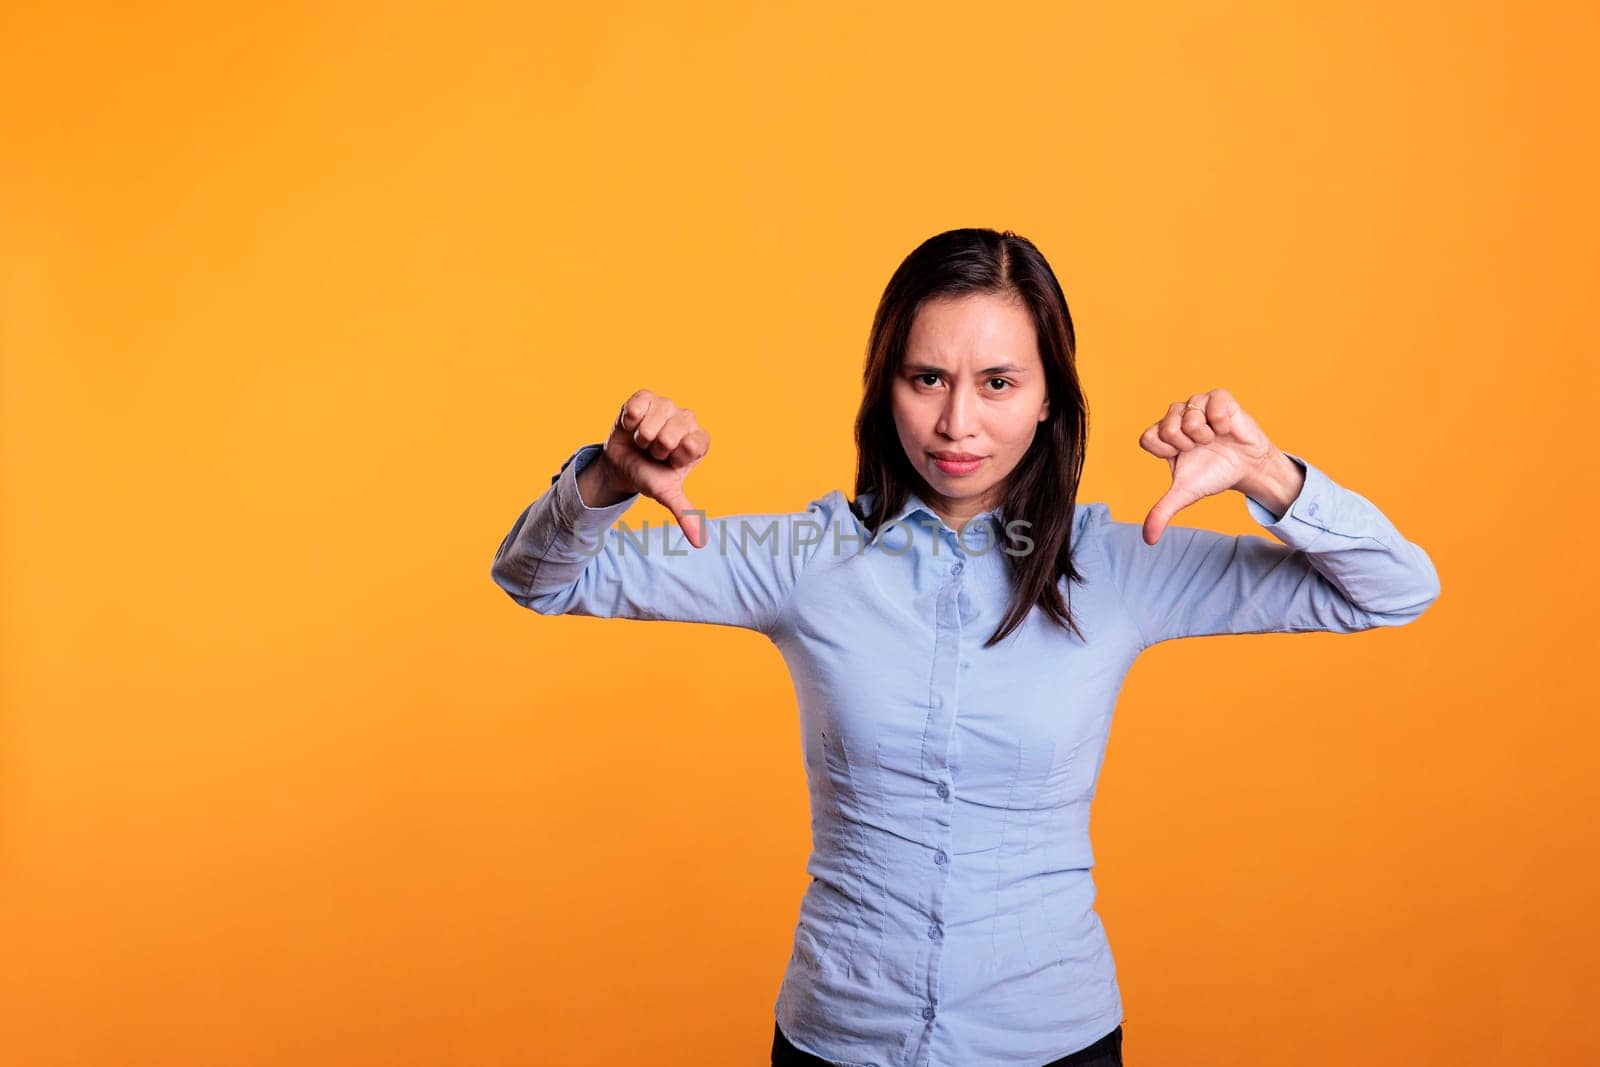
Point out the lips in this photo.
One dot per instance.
(957, 468)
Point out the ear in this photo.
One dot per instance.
(1044, 409)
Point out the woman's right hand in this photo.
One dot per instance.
(653, 446)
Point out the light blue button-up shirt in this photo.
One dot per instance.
(950, 921)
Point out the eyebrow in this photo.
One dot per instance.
(929, 368)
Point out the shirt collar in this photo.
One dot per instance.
(914, 504)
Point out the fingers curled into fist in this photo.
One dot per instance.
(663, 430)
(1188, 424)
(652, 447)
(1210, 445)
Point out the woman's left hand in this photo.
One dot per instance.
(1211, 446)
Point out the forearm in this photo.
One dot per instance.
(1352, 544)
(558, 535)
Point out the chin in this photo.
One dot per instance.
(958, 488)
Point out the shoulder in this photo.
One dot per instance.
(830, 511)
(1092, 513)
(1095, 528)
(796, 537)
(834, 510)
(832, 505)
(1092, 519)
(827, 507)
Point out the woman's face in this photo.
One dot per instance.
(972, 384)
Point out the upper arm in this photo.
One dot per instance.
(1341, 567)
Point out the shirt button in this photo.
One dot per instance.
(966, 663)
(927, 1013)
(934, 933)
(938, 700)
(940, 858)
(956, 567)
(944, 791)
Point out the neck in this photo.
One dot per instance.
(957, 512)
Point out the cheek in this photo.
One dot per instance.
(1016, 430)
(902, 418)
(909, 416)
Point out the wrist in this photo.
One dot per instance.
(1275, 484)
(598, 484)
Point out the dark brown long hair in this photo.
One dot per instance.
(1043, 489)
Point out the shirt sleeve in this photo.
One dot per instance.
(1341, 567)
(563, 557)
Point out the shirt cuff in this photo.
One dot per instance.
(571, 512)
(1306, 517)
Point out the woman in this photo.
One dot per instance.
(957, 636)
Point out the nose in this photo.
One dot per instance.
(956, 418)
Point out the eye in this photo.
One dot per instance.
(920, 377)
(1002, 381)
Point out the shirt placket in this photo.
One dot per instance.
(937, 761)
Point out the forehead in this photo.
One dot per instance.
(977, 329)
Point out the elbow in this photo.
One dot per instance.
(518, 584)
(1432, 589)
(511, 579)
(1424, 596)
(1427, 585)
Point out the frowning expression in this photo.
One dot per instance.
(968, 399)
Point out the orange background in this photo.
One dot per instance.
(301, 307)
